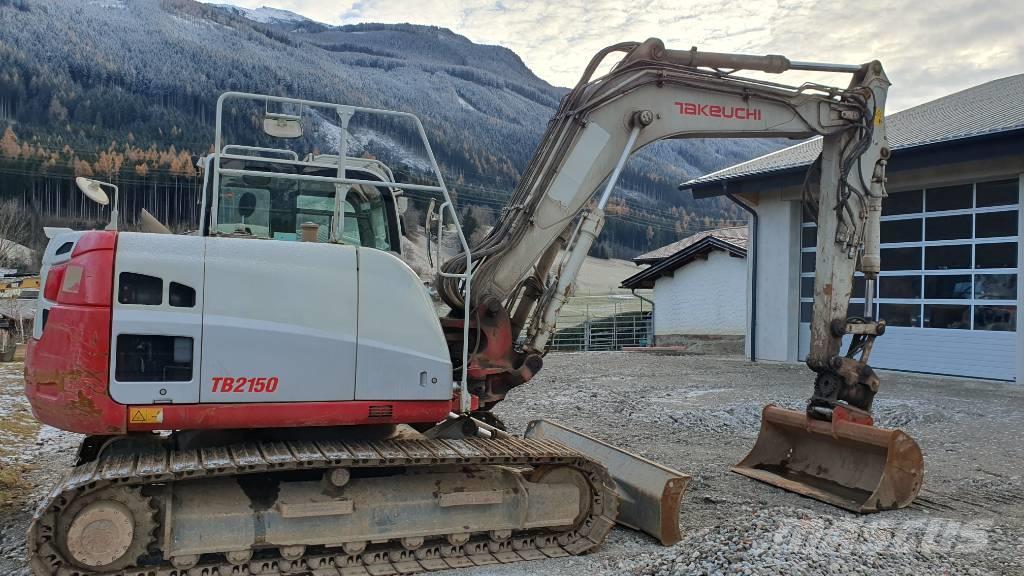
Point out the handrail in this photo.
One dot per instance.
(292, 153)
(345, 112)
(328, 179)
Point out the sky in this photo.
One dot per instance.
(929, 48)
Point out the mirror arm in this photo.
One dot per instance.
(113, 209)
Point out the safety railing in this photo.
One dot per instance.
(582, 333)
(345, 114)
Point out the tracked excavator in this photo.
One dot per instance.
(275, 394)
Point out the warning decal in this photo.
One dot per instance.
(146, 415)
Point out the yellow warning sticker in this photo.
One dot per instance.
(878, 116)
(146, 415)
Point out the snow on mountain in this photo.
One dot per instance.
(266, 14)
(151, 73)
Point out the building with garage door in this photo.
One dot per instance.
(951, 255)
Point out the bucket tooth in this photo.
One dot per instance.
(857, 467)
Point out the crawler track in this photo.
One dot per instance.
(158, 465)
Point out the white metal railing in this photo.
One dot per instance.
(224, 153)
(585, 332)
(602, 322)
(344, 113)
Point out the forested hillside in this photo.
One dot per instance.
(126, 90)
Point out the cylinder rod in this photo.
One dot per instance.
(824, 66)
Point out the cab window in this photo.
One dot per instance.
(276, 208)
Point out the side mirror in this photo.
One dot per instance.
(282, 125)
(403, 204)
(93, 190)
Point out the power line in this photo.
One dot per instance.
(500, 198)
(640, 215)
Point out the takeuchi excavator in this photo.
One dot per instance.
(275, 394)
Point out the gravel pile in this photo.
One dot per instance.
(904, 414)
(743, 419)
(801, 542)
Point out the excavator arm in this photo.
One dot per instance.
(525, 269)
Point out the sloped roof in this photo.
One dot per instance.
(988, 108)
(735, 235)
(668, 259)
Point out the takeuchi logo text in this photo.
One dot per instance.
(718, 111)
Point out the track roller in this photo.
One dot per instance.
(239, 557)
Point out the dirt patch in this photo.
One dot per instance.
(18, 428)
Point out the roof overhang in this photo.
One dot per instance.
(980, 147)
(698, 250)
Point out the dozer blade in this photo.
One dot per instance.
(854, 466)
(649, 494)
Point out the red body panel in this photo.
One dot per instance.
(293, 415)
(67, 370)
(66, 373)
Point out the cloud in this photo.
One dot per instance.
(928, 48)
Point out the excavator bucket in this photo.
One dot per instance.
(854, 466)
(649, 494)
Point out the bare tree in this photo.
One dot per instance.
(15, 228)
(483, 217)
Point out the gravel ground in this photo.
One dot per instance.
(700, 414)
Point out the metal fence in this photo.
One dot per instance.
(603, 323)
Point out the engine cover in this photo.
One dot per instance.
(227, 322)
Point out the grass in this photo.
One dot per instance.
(12, 483)
(18, 431)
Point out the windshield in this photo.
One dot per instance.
(276, 208)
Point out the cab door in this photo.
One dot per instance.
(279, 321)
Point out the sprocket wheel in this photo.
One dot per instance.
(107, 530)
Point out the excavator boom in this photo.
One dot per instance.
(525, 269)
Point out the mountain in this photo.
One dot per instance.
(127, 89)
(273, 16)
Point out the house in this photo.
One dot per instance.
(699, 287)
(951, 250)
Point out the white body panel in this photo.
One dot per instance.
(402, 351)
(328, 322)
(284, 310)
(173, 259)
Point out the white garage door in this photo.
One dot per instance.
(948, 287)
